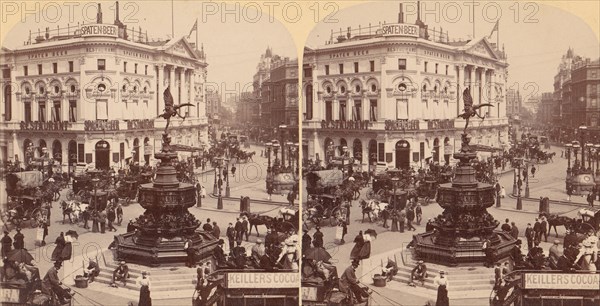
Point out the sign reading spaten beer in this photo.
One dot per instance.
(579, 281)
(263, 280)
(400, 29)
(98, 30)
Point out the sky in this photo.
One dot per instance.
(233, 49)
(535, 35)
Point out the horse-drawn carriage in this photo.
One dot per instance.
(27, 193)
(244, 141)
(325, 207)
(590, 219)
(27, 292)
(323, 182)
(321, 285)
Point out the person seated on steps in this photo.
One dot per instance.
(92, 271)
(390, 270)
(121, 273)
(418, 273)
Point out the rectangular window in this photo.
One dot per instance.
(54, 67)
(401, 64)
(6, 73)
(341, 68)
(102, 109)
(372, 65)
(436, 68)
(27, 106)
(373, 110)
(56, 111)
(422, 150)
(342, 114)
(70, 66)
(425, 66)
(401, 109)
(42, 112)
(124, 66)
(328, 111)
(381, 152)
(72, 110)
(326, 69)
(446, 69)
(25, 70)
(355, 67)
(101, 64)
(146, 70)
(357, 111)
(80, 153)
(135, 68)
(40, 69)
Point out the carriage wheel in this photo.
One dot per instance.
(370, 194)
(70, 195)
(36, 218)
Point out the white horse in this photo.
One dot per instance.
(377, 207)
(78, 210)
(286, 211)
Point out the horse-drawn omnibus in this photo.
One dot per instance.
(27, 192)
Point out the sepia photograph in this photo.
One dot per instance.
(450, 155)
(149, 154)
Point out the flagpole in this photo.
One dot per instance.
(473, 19)
(196, 34)
(172, 22)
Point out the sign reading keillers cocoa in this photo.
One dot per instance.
(140, 124)
(45, 126)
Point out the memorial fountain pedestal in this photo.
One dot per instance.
(166, 225)
(464, 226)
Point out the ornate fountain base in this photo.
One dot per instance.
(452, 251)
(153, 251)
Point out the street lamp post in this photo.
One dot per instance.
(589, 146)
(290, 146)
(582, 129)
(515, 173)
(527, 180)
(220, 184)
(276, 147)
(576, 165)
(519, 201)
(569, 147)
(282, 128)
(344, 149)
(395, 181)
(227, 190)
(597, 149)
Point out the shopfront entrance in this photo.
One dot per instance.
(102, 155)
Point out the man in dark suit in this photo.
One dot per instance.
(530, 235)
(231, 237)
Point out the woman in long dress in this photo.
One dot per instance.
(144, 283)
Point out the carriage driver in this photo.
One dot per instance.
(52, 285)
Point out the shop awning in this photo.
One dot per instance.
(484, 148)
(325, 178)
(185, 148)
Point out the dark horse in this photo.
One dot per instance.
(255, 220)
(67, 210)
(366, 210)
(556, 220)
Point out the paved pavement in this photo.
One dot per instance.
(387, 241)
(247, 182)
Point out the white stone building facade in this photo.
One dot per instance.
(393, 99)
(95, 98)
